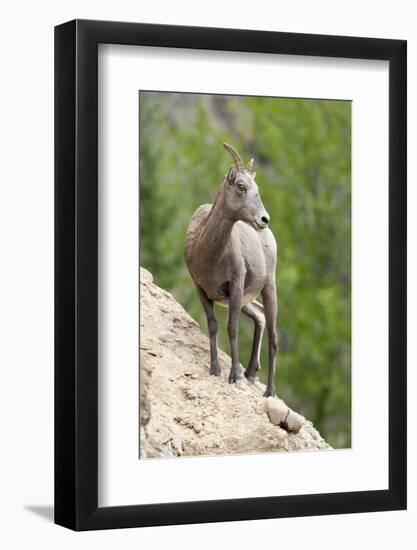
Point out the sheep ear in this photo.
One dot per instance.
(253, 174)
(231, 175)
(250, 165)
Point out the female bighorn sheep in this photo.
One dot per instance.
(231, 256)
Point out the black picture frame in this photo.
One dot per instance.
(76, 273)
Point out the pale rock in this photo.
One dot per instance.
(186, 412)
(145, 276)
(281, 415)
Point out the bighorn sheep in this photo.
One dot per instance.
(231, 255)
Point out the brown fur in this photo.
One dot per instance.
(231, 256)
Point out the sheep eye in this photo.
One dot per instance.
(242, 187)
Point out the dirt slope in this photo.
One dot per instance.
(184, 410)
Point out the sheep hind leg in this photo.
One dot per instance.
(269, 299)
(255, 311)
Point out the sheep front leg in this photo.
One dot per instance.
(235, 305)
(208, 306)
(269, 298)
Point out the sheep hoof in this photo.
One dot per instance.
(251, 370)
(215, 370)
(270, 392)
(235, 376)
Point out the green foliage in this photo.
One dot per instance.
(301, 149)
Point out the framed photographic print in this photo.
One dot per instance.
(230, 255)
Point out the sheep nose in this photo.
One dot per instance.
(265, 219)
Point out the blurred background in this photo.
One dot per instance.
(302, 153)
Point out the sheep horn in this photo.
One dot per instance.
(235, 155)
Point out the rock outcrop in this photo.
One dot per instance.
(184, 411)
